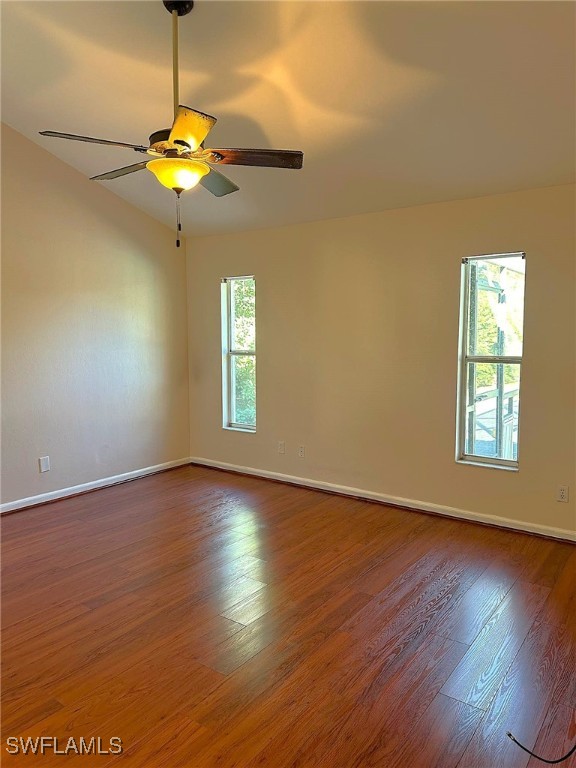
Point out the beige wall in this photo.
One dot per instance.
(357, 343)
(357, 335)
(94, 354)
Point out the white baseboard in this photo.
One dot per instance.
(416, 504)
(75, 489)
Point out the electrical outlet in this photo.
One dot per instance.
(44, 464)
(301, 451)
(562, 493)
(281, 446)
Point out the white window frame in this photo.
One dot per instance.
(228, 354)
(463, 361)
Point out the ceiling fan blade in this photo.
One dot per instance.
(74, 137)
(120, 171)
(190, 127)
(270, 158)
(218, 184)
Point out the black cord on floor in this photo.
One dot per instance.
(543, 759)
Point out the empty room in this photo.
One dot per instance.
(288, 448)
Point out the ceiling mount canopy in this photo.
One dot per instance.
(180, 159)
(182, 7)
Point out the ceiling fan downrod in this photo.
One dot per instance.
(175, 83)
(176, 8)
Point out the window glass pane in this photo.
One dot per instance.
(243, 390)
(496, 306)
(492, 398)
(243, 324)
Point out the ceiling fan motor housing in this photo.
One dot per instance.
(161, 135)
(159, 143)
(182, 7)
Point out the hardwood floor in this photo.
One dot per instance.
(210, 619)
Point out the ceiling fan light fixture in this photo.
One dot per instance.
(177, 173)
(180, 159)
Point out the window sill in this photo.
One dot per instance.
(249, 430)
(489, 465)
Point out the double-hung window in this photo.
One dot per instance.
(239, 353)
(490, 360)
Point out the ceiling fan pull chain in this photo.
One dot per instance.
(175, 61)
(178, 224)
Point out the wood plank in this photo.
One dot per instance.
(70, 666)
(561, 603)
(169, 744)
(541, 562)
(557, 736)
(276, 711)
(44, 622)
(348, 729)
(476, 679)
(539, 675)
(299, 629)
(439, 738)
(477, 605)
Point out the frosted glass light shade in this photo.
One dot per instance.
(177, 173)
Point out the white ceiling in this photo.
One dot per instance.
(393, 103)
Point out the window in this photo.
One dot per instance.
(491, 335)
(239, 353)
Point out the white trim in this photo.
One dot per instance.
(62, 493)
(505, 359)
(475, 461)
(465, 359)
(228, 354)
(424, 506)
(482, 256)
(504, 522)
(236, 277)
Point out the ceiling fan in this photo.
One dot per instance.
(180, 160)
